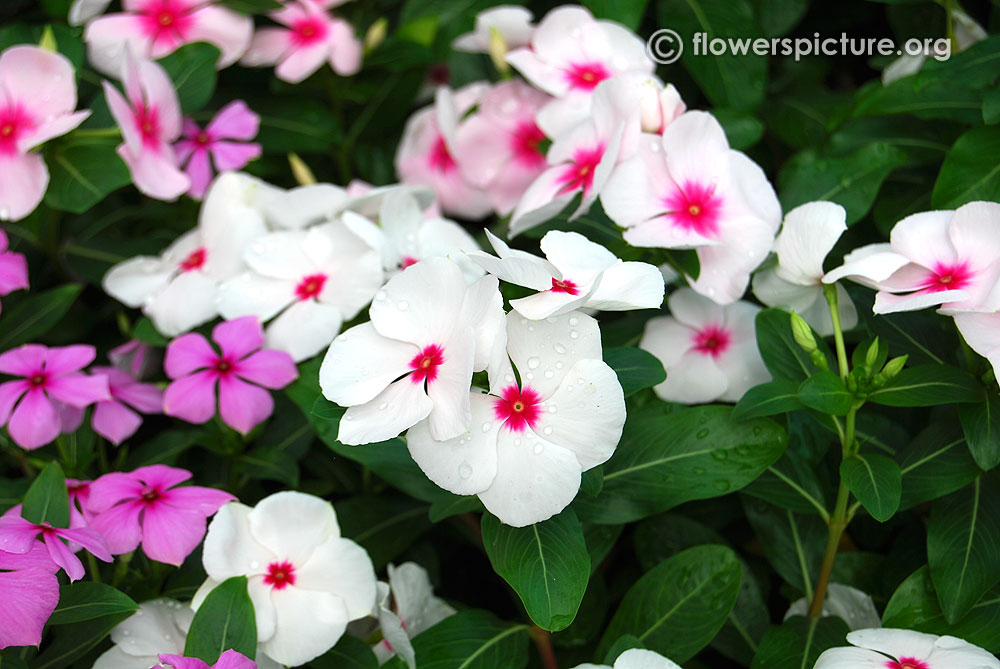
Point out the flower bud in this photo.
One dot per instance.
(498, 51)
(303, 175)
(803, 334)
(376, 34)
(48, 41)
(871, 356)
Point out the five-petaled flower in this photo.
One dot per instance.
(17, 535)
(224, 142)
(30, 591)
(904, 649)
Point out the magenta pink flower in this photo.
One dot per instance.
(30, 594)
(151, 29)
(150, 121)
(144, 506)
(17, 535)
(196, 369)
(117, 419)
(79, 493)
(234, 121)
(231, 659)
(47, 374)
(37, 99)
(13, 267)
(311, 36)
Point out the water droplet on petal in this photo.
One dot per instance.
(533, 363)
(380, 295)
(549, 373)
(574, 320)
(573, 334)
(547, 430)
(402, 305)
(560, 349)
(383, 406)
(465, 470)
(486, 427)
(539, 448)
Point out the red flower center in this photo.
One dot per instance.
(195, 260)
(518, 407)
(695, 206)
(425, 364)
(14, 122)
(524, 143)
(309, 30)
(586, 76)
(165, 21)
(310, 286)
(148, 122)
(150, 495)
(440, 158)
(280, 575)
(580, 171)
(947, 277)
(907, 663)
(712, 340)
(38, 379)
(407, 261)
(202, 139)
(223, 366)
(564, 286)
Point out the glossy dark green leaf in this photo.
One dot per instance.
(82, 172)
(792, 543)
(547, 564)
(636, 368)
(349, 653)
(192, 68)
(935, 463)
(384, 525)
(768, 399)
(825, 392)
(224, 620)
(251, 6)
(981, 426)
(86, 600)
(470, 639)
(928, 385)
(783, 357)
(626, 12)
(36, 315)
(47, 500)
(446, 507)
(876, 481)
(798, 641)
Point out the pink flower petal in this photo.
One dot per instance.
(42, 79)
(25, 179)
(233, 156)
(66, 359)
(79, 390)
(161, 96)
(188, 353)
(108, 37)
(119, 526)
(170, 534)
(268, 368)
(345, 54)
(199, 499)
(10, 393)
(155, 174)
(161, 477)
(121, 111)
(199, 171)
(191, 398)
(114, 421)
(232, 659)
(242, 405)
(181, 662)
(36, 558)
(30, 596)
(239, 337)
(64, 557)
(144, 397)
(25, 360)
(302, 61)
(112, 488)
(13, 272)
(224, 28)
(17, 535)
(34, 422)
(234, 121)
(184, 148)
(88, 538)
(268, 47)
(59, 125)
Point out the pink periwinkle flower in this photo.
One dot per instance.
(30, 594)
(196, 368)
(13, 268)
(231, 659)
(145, 506)
(37, 99)
(47, 374)
(17, 535)
(78, 493)
(151, 29)
(150, 121)
(118, 418)
(310, 37)
(235, 121)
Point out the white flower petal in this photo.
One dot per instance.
(304, 329)
(292, 525)
(361, 363)
(132, 282)
(230, 549)
(628, 285)
(868, 265)
(576, 257)
(808, 234)
(250, 294)
(187, 302)
(543, 351)
(638, 658)
(389, 414)
(309, 623)
(421, 303)
(415, 600)
(694, 379)
(341, 567)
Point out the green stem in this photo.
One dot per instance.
(97, 132)
(121, 568)
(838, 523)
(95, 569)
(830, 293)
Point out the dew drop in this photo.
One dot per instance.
(517, 442)
(721, 485)
(529, 376)
(533, 363)
(383, 406)
(698, 470)
(539, 448)
(574, 320)
(402, 305)
(560, 349)
(702, 433)
(486, 427)
(552, 409)
(573, 334)
(167, 637)
(547, 430)
(559, 365)
(549, 373)
(254, 565)
(756, 431)
(720, 454)
(380, 295)
(126, 633)
(465, 471)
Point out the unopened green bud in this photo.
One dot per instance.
(48, 41)
(871, 357)
(376, 34)
(803, 334)
(498, 51)
(819, 359)
(891, 369)
(303, 175)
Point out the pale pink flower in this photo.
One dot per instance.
(510, 22)
(904, 649)
(150, 121)
(688, 189)
(151, 29)
(47, 374)
(426, 154)
(311, 36)
(17, 535)
(497, 146)
(30, 593)
(709, 351)
(117, 419)
(13, 268)
(146, 506)
(948, 258)
(230, 659)
(196, 369)
(199, 149)
(37, 99)
(982, 333)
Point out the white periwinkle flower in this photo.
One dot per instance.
(157, 626)
(635, 658)
(305, 580)
(851, 605)
(903, 649)
(406, 607)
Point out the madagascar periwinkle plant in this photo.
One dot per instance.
(451, 335)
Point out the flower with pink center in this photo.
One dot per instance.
(150, 121)
(510, 23)
(151, 29)
(30, 592)
(533, 434)
(18, 535)
(118, 418)
(903, 649)
(949, 259)
(47, 375)
(311, 36)
(306, 283)
(709, 351)
(230, 659)
(576, 273)
(37, 99)
(428, 332)
(498, 145)
(239, 371)
(688, 189)
(406, 607)
(427, 153)
(179, 290)
(13, 268)
(306, 582)
(199, 148)
(145, 506)
(78, 493)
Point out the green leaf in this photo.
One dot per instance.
(693, 453)
(981, 426)
(914, 606)
(928, 99)
(547, 564)
(301, 125)
(798, 642)
(991, 107)
(225, 620)
(963, 546)
(777, 17)
(743, 129)
(626, 12)
(678, 607)
(968, 174)
(768, 399)
(384, 525)
(876, 481)
(47, 500)
(35, 315)
(470, 639)
(192, 69)
(69, 642)
(144, 330)
(86, 600)
(929, 385)
(934, 464)
(82, 172)
(792, 543)
(791, 483)
(783, 357)
(251, 6)
(825, 392)
(349, 653)
(636, 368)
(446, 507)
(623, 643)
